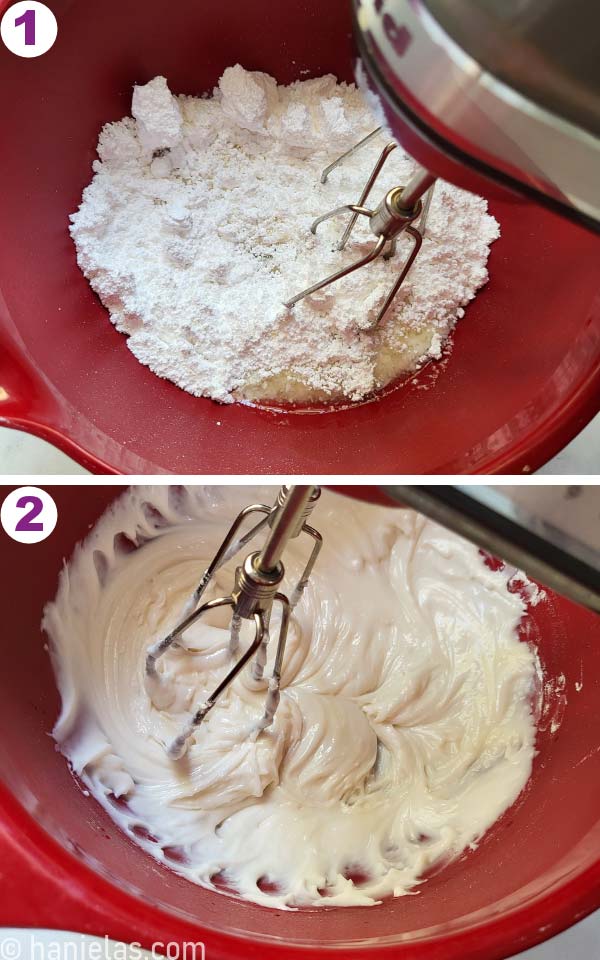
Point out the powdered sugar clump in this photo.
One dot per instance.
(195, 230)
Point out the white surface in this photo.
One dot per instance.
(32, 944)
(21, 453)
(581, 942)
(581, 456)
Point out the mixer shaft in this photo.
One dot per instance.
(255, 590)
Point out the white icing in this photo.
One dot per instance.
(404, 728)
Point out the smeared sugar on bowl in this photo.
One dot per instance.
(407, 718)
(195, 230)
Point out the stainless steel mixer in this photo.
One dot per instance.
(508, 88)
(397, 213)
(255, 590)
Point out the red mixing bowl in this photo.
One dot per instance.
(66, 865)
(522, 379)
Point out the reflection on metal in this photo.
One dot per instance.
(550, 532)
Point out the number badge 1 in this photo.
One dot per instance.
(28, 514)
(28, 28)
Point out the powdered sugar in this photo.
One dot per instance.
(195, 230)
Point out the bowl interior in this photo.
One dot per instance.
(550, 836)
(523, 355)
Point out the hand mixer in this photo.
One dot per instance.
(509, 89)
(398, 212)
(255, 590)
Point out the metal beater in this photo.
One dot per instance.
(397, 213)
(255, 590)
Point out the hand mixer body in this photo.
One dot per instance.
(502, 90)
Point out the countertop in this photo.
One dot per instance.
(21, 453)
(581, 942)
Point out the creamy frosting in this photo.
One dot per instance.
(405, 726)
